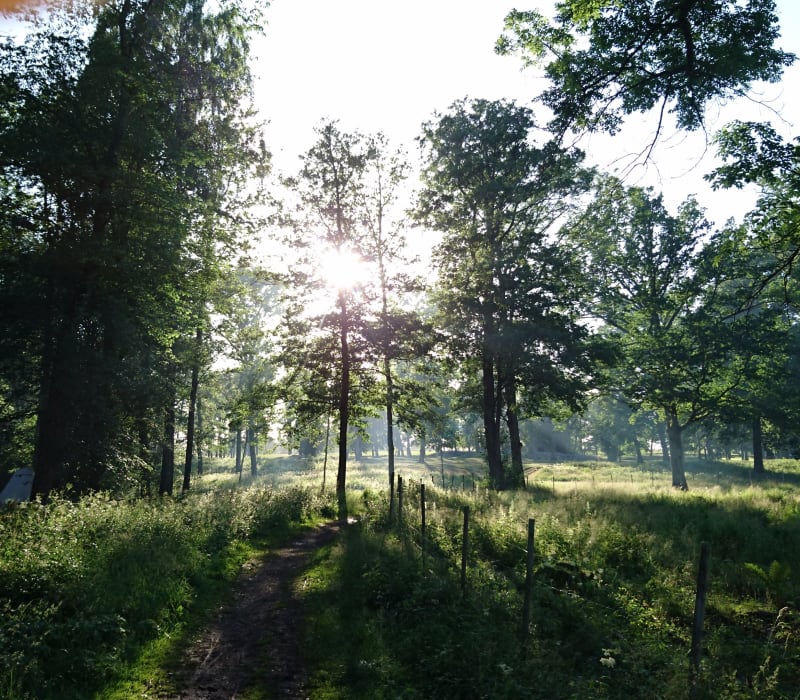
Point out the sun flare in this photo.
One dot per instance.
(343, 269)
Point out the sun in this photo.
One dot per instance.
(343, 269)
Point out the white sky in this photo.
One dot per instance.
(387, 66)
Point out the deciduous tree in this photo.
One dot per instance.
(607, 59)
(507, 292)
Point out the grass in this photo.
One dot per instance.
(110, 590)
(101, 593)
(616, 564)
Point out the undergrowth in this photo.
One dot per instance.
(613, 598)
(86, 586)
(97, 596)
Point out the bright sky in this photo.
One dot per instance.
(387, 66)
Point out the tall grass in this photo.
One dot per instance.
(86, 587)
(615, 574)
(83, 585)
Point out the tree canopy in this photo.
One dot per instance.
(607, 59)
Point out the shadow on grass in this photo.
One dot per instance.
(729, 473)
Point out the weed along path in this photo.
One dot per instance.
(252, 648)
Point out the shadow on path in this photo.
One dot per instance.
(254, 641)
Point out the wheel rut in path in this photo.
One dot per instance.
(256, 639)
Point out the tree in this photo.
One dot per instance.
(764, 251)
(659, 287)
(397, 333)
(608, 59)
(507, 293)
(131, 146)
(328, 226)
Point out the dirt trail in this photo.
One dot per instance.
(256, 639)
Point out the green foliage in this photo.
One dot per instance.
(126, 153)
(84, 585)
(776, 578)
(679, 55)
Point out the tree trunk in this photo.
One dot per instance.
(168, 452)
(238, 444)
(517, 474)
(675, 434)
(662, 438)
(638, 446)
(387, 370)
(423, 438)
(251, 442)
(344, 409)
(187, 467)
(199, 439)
(51, 431)
(758, 447)
(50, 452)
(491, 426)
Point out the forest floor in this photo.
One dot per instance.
(253, 646)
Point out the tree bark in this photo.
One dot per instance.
(675, 434)
(662, 438)
(758, 447)
(517, 475)
(199, 440)
(238, 444)
(387, 370)
(168, 452)
(491, 426)
(51, 431)
(187, 467)
(251, 447)
(344, 408)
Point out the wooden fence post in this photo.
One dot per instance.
(399, 499)
(526, 607)
(699, 612)
(464, 549)
(422, 515)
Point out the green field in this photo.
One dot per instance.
(100, 596)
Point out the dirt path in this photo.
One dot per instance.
(256, 638)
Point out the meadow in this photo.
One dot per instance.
(100, 596)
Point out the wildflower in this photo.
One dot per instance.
(607, 660)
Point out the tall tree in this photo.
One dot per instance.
(657, 285)
(762, 254)
(398, 332)
(131, 145)
(328, 226)
(507, 291)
